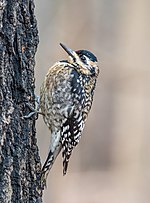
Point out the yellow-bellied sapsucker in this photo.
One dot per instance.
(65, 100)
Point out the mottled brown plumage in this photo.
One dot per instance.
(65, 100)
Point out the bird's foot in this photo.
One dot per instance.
(34, 111)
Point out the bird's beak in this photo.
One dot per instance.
(69, 51)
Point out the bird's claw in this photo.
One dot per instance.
(33, 111)
(29, 115)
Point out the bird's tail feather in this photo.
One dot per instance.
(48, 165)
(67, 151)
(46, 168)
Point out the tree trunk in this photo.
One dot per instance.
(19, 155)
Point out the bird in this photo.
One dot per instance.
(66, 97)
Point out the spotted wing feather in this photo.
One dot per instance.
(72, 128)
(71, 133)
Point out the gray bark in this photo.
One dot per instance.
(19, 155)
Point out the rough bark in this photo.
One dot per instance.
(19, 155)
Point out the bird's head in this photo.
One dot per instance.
(85, 60)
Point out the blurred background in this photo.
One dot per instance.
(111, 164)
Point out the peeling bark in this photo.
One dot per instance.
(19, 155)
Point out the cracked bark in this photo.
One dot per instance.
(19, 155)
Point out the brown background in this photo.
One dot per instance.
(112, 162)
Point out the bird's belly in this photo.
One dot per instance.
(57, 113)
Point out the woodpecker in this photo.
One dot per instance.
(66, 97)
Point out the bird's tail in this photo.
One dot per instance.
(67, 151)
(48, 165)
(46, 168)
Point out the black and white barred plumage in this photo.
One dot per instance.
(65, 100)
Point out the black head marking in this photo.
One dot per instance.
(82, 53)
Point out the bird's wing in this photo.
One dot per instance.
(73, 126)
(71, 133)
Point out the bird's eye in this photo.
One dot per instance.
(83, 58)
